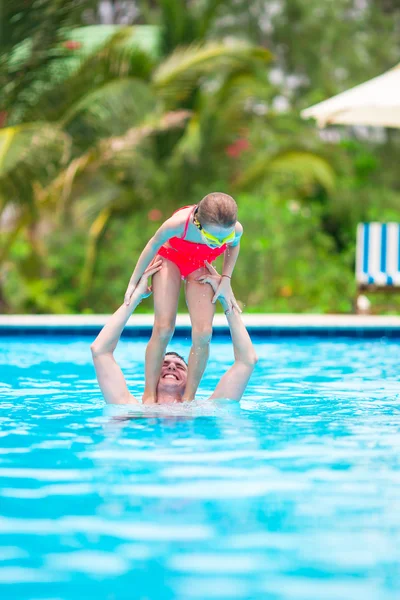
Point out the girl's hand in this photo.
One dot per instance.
(222, 288)
(142, 288)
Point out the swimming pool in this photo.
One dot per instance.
(292, 495)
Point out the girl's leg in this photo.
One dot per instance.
(201, 310)
(166, 286)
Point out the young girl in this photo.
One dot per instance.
(193, 236)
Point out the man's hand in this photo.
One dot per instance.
(129, 290)
(222, 291)
(212, 277)
(233, 383)
(142, 288)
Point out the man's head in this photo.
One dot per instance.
(173, 377)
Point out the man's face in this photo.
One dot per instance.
(173, 375)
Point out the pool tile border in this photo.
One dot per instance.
(265, 325)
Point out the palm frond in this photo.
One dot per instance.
(220, 117)
(95, 232)
(30, 155)
(96, 192)
(189, 146)
(117, 58)
(228, 107)
(177, 27)
(306, 167)
(109, 152)
(109, 110)
(178, 75)
(207, 16)
(183, 23)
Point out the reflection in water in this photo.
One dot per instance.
(293, 494)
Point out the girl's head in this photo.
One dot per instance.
(216, 217)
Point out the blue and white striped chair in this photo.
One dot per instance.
(378, 256)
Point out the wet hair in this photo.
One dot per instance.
(176, 354)
(217, 209)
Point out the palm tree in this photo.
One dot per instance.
(94, 130)
(153, 112)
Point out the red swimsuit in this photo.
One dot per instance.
(189, 256)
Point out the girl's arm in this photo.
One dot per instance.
(232, 252)
(169, 229)
(230, 257)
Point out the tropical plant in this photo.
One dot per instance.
(107, 133)
(32, 42)
(100, 118)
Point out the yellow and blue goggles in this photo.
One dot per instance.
(211, 238)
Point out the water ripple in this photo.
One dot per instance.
(291, 494)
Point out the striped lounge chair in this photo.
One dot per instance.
(378, 257)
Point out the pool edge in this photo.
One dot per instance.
(283, 325)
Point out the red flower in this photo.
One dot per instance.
(154, 215)
(72, 45)
(235, 150)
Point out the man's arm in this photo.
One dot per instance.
(224, 289)
(234, 382)
(109, 375)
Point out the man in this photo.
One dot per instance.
(171, 384)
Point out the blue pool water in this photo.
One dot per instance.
(292, 495)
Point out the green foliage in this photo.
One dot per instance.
(31, 36)
(305, 168)
(30, 156)
(180, 73)
(103, 138)
(181, 26)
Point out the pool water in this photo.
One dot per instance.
(292, 494)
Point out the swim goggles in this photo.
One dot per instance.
(211, 238)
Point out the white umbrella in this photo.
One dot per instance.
(376, 102)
